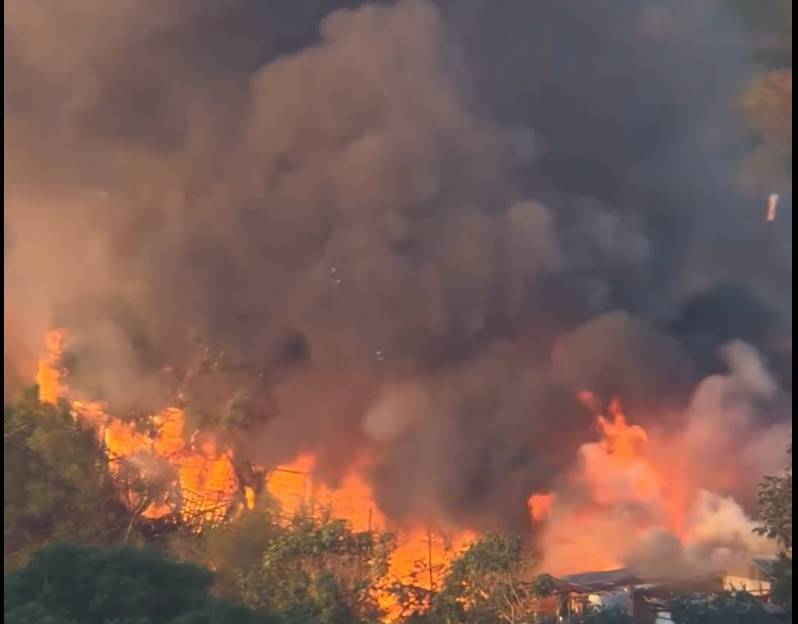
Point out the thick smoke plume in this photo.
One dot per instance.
(408, 231)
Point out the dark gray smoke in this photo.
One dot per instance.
(414, 228)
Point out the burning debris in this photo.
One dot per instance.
(773, 207)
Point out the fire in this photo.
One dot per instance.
(617, 494)
(629, 484)
(633, 489)
(619, 465)
(421, 553)
(249, 497)
(540, 506)
(48, 375)
(620, 439)
(204, 479)
(291, 485)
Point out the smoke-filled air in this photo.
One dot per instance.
(475, 266)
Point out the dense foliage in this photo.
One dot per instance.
(56, 483)
(486, 585)
(775, 509)
(318, 571)
(607, 616)
(782, 581)
(312, 569)
(729, 608)
(71, 584)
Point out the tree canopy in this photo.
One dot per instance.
(312, 569)
(319, 571)
(56, 483)
(72, 584)
(727, 608)
(775, 507)
(607, 616)
(489, 583)
(775, 510)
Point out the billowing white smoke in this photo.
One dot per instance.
(662, 503)
(727, 437)
(718, 536)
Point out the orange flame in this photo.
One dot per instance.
(620, 465)
(540, 506)
(627, 483)
(48, 375)
(421, 554)
(205, 472)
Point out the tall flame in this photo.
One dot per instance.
(48, 375)
(628, 490)
(619, 466)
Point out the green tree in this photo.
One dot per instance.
(607, 616)
(775, 507)
(486, 585)
(56, 481)
(775, 510)
(727, 608)
(782, 581)
(72, 584)
(234, 550)
(313, 570)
